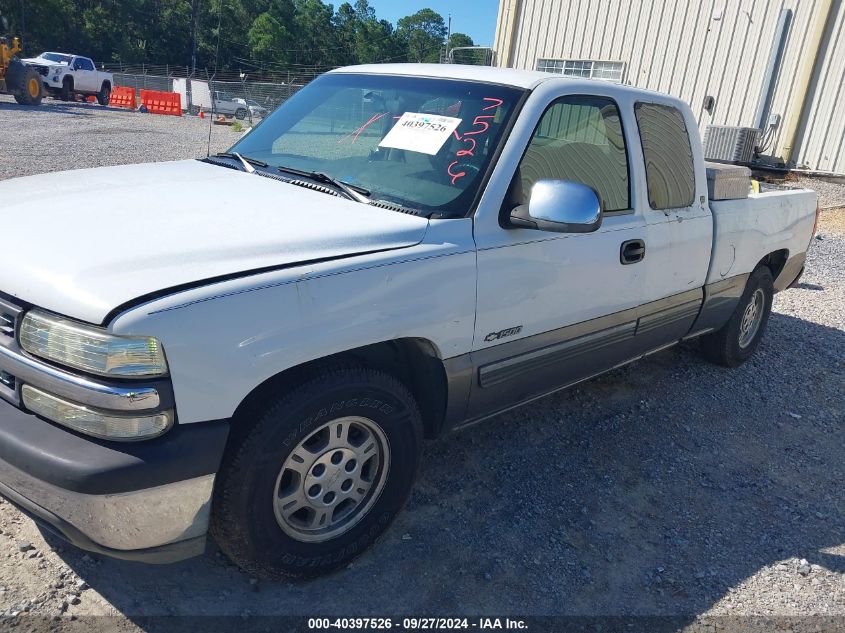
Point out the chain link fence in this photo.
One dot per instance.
(267, 92)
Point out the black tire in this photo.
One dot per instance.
(31, 91)
(104, 96)
(67, 93)
(732, 345)
(243, 515)
(240, 114)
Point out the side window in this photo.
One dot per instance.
(668, 156)
(579, 138)
(85, 64)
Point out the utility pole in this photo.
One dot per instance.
(23, 22)
(448, 36)
(195, 18)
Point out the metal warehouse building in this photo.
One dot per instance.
(773, 65)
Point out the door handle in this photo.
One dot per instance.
(632, 251)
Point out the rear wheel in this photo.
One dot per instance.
(30, 93)
(739, 337)
(317, 474)
(104, 96)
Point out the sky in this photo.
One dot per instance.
(476, 18)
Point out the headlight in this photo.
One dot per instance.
(106, 425)
(90, 348)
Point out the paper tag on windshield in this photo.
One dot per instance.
(418, 132)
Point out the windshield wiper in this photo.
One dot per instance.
(246, 161)
(353, 192)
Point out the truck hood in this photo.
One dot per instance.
(43, 62)
(82, 243)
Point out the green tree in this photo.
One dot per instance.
(269, 38)
(422, 34)
(316, 43)
(377, 42)
(347, 26)
(460, 39)
(254, 35)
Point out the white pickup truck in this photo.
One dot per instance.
(255, 344)
(200, 99)
(65, 76)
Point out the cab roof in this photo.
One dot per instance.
(524, 79)
(489, 74)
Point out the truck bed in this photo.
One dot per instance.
(762, 223)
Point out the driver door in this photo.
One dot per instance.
(84, 75)
(552, 306)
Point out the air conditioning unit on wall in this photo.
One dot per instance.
(730, 144)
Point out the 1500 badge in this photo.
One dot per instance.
(495, 336)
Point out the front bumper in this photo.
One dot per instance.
(53, 82)
(139, 501)
(148, 499)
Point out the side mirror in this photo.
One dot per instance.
(560, 206)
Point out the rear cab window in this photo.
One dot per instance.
(670, 172)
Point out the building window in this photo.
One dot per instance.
(589, 69)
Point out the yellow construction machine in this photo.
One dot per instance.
(16, 78)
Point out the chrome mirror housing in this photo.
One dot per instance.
(560, 206)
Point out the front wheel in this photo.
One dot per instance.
(739, 337)
(317, 474)
(67, 90)
(240, 114)
(104, 96)
(31, 92)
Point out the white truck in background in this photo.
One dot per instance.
(65, 76)
(201, 99)
(395, 252)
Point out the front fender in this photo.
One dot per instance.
(225, 339)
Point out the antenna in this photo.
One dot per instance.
(211, 81)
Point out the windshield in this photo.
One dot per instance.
(56, 57)
(419, 142)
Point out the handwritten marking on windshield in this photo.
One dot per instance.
(356, 133)
(493, 106)
(467, 152)
(470, 143)
(455, 177)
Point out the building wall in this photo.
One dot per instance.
(821, 137)
(680, 47)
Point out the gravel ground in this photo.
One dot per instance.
(669, 487)
(831, 191)
(59, 136)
